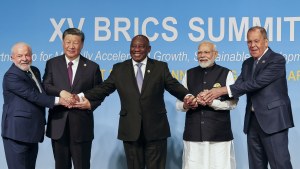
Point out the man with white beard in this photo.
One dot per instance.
(207, 134)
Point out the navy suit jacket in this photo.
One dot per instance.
(55, 80)
(147, 107)
(23, 117)
(267, 91)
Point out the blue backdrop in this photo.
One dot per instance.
(175, 29)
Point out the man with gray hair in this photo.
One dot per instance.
(23, 116)
(268, 111)
(207, 135)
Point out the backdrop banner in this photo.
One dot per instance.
(175, 28)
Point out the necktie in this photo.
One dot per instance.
(70, 72)
(253, 70)
(139, 76)
(28, 73)
(34, 79)
(254, 67)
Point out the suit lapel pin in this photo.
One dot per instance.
(148, 71)
(263, 61)
(84, 65)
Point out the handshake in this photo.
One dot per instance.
(192, 102)
(70, 100)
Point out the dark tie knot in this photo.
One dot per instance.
(29, 74)
(70, 64)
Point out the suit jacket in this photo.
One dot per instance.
(266, 91)
(140, 111)
(23, 117)
(55, 80)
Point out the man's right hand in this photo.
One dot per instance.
(68, 97)
(190, 102)
(85, 104)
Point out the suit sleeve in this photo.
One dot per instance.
(100, 91)
(48, 84)
(97, 81)
(173, 86)
(268, 74)
(27, 91)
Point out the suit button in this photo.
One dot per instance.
(202, 122)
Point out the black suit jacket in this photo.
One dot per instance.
(147, 108)
(267, 91)
(55, 79)
(23, 117)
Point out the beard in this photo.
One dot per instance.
(206, 64)
(24, 66)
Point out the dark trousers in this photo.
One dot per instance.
(266, 148)
(20, 155)
(141, 153)
(66, 150)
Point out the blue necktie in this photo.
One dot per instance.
(139, 76)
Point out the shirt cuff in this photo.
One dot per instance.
(80, 95)
(56, 101)
(229, 91)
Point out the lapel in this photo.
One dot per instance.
(80, 71)
(22, 73)
(38, 78)
(131, 74)
(62, 71)
(147, 75)
(262, 62)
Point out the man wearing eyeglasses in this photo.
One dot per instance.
(207, 134)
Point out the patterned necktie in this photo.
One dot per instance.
(70, 72)
(32, 77)
(28, 73)
(139, 76)
(254, 67)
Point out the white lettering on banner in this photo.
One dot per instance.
(180, 56)
(104, 28)
(122, 30)
(292, 21)
(104, 56)
(5, 57)
(238, 31)
(57, 27)
(213, 29)
(122, 26)
(170, 28)
(229, 57)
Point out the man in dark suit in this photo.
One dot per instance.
(268, 111)
(143, 123)
(23, 117)
(71, 130)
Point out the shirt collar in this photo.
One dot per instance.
(263, 54)
(75, 61)
(143, 61)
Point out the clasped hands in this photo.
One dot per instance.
(203, 98)
(70, 100)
